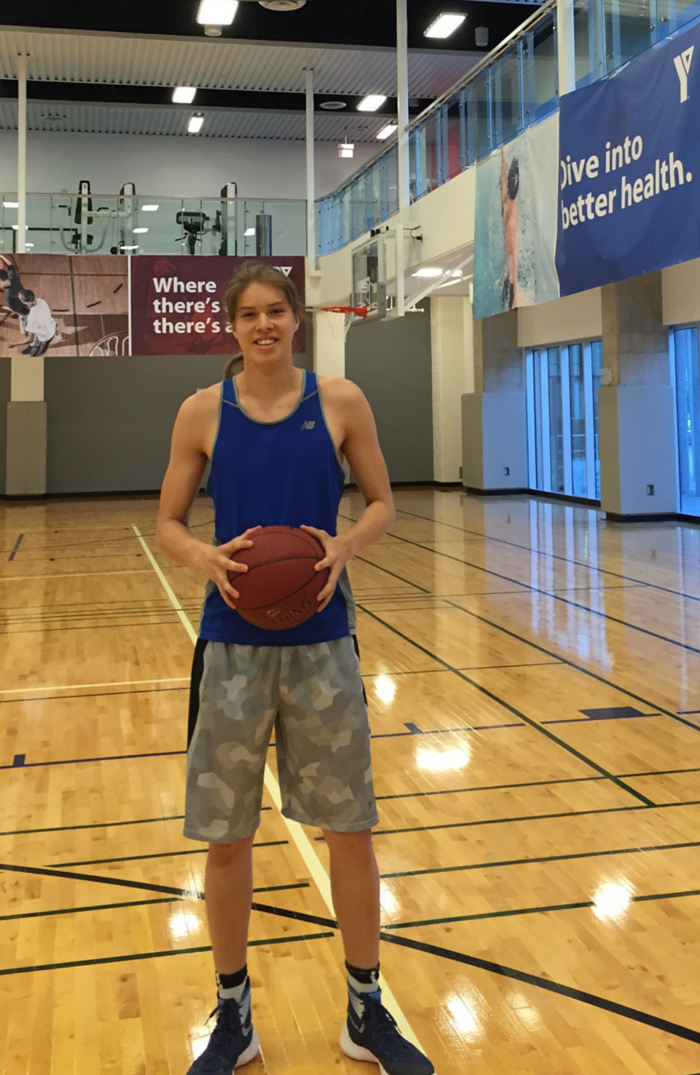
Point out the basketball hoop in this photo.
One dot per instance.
(351, 314)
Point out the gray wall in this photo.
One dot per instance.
(5, 367)
(110, 420)
(391, 362)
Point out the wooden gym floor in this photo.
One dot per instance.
(534, 685)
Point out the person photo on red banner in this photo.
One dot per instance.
(41, 327)
(11, 287)
(276, 435)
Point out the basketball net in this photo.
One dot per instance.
(350, 315)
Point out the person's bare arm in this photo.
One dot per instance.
(361, 448)
(504, 180)
(188, 460)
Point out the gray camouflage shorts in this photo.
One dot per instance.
(312, 696)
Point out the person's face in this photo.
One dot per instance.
(264, 324)
(4, 285)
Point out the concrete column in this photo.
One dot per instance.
(494, 416)
(21, 153)
(566, 47)
(453, 374)
(638, 465)
(329, 343)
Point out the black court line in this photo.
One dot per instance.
(94, 626)
(542, 859)
(131, 903)
(394, 576)
(529, 588)
(110, 757)
(536, 980)
(154, 955)
(99, 825)
(490, 787)
(550, 555)
(16, 546)
(556, 658)
(93, 694)
(546, 909)
(447, 731)
(516, 712)
(159, 855)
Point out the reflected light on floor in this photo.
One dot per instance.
(611, 900)
(465, 1016)
(442, 761)
(199, 1037)
(390, 905)
(385, 688)
(184, 924)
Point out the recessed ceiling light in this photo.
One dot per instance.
(149, 208)
(249, 232)
(333, 106)
(217, 12)
(444, 25)
(184, 95)
(140, 231)
(386, 132)
(29, 244)
(282, 5)
(429, 272)
(10, 205)
(195, 124)
(371, 103)
(129, 247)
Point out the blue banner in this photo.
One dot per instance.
(629, 169)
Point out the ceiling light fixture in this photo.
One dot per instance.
(282, 5)
(481, 37)
(10, 205)
(184, 95)
(217, 12)
(429, 272)
(140, 231)
(149, 208)
(444, 25)
(248, 232)
(371, 103)
(333, 106)
(386, 132)
(195, 124)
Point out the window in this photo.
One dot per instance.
(562, 408)
(684, 351)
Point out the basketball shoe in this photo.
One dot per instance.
(371, 1033)
(233, 1042)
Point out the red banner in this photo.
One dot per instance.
(177, 303)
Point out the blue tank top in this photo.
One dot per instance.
(275, 474)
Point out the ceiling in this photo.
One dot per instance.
(110, 67)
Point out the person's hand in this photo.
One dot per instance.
(218, 560)
(337, 555)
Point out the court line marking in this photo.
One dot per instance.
(16, 546)
(549, 593)
(161, 855)
(406, 942)
(301, 840)
(152, 955)
(506, 705)
(90, 686)
(538, 860)
(541, 552)
(557, 658)
(622, 1010)
(71, 575)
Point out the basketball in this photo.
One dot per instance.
(280, 588)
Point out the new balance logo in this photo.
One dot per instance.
(308, 425)
(682, 64)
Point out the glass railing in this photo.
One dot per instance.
(510, 89)
(127, 224)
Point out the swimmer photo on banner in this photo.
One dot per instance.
(177, 303)
(58, 304)
(629, 169)
(515, 228)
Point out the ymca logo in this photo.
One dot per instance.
(308, 425)
(682, 64)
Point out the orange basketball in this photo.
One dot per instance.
(280, 588)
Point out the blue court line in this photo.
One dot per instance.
(688, 712)
(511, 709)
(597, 720)
(446, 731)
(18, 761)
(94, 694)
(15, 550)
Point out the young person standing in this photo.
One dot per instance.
(275, 436)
